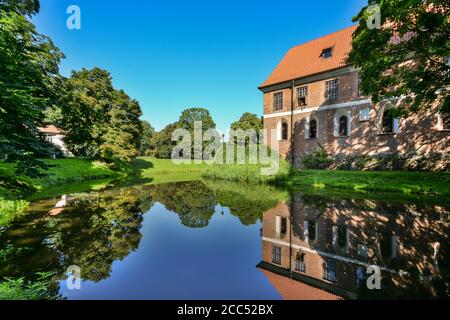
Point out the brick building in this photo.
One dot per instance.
(312, 97)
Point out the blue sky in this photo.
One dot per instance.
(171, 55)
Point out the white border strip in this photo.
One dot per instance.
(311, 109)
(325, 254)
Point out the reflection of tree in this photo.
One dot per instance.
(94, 230)
(100, 229)
(247, 202)
(192, 201)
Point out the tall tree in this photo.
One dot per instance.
(163, 143)
(99, 121)
(248, 121)
(29, 80)
(122, 139)
(89, 96)
(190, 116)
(408, 55)
(187, 121)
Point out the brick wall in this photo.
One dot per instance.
(417, 134)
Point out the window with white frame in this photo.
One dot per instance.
(342, 123)
(284, 131)
(364, 114)
(278, 101)
(343, 126)
(302, 96)
(276, 254)
(332, 90)
(311, 128)
(389, 121)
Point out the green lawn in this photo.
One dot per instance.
(429, 184)
(78, 174)
(414, 183)
(151, 170)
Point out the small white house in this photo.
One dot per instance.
(56, 137)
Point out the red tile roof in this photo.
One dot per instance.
(50, 129)
(305, 60)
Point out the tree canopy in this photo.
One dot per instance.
(408, 55)
(148, 133)
(190, 116)
(248, 121)
(25, 7)
(162, 141)
(99, 121)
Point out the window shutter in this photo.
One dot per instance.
(305, 230)
(335, 235)
(306, 128)
(336, 125)
(279, 131)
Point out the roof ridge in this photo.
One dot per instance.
(321, 37)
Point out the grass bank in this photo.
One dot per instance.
(430, 184)
(415, 184)
(149, 170)
(61, 171)
(245, 173)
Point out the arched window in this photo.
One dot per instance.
(388, 245)
(343, 126)
(313, 129)
(284, 131)
(388, 121)
(342, 236)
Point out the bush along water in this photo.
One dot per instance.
(320, 159)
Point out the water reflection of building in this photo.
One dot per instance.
(329, 244)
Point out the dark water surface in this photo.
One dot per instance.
(203, 240)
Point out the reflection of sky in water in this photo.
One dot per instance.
(177, 262)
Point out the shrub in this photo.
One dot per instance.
(10, 209)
